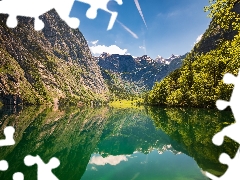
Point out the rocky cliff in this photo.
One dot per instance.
(215, 35)
(139, 73)
(39, 67)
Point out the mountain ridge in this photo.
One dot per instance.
(140, 72)
(46, 66)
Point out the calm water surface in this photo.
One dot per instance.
(117, 144)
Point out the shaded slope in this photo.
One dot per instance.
(126, 75)
(41, 67)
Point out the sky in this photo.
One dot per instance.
(144, 27)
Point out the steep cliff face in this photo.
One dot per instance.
(43, 66)
(214, 35)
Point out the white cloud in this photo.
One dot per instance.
(112, 49)
(94, 42)
(128, 30)
(112, 160)
(142, 47)
(199, 38)
(94, 169)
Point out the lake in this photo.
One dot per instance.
(117, 144)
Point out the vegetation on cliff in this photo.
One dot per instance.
(198, 82)
(48, 66)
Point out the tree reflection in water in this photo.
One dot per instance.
(80, 137)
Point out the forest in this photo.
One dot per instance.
(198, 83)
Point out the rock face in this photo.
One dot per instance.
(43, 66)
(141, 71)
(214, 35)
(162, 60)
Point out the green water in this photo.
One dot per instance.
(117, 144)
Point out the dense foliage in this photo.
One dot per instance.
(199, 82)
(194, 135)
(72, 134)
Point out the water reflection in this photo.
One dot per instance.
(97, 159)
(193, 130)
(115, 143)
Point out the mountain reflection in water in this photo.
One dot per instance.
(106, 143)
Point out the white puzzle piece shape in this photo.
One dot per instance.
(231, 131)
(8, 141)
(3, 165)
(44, 171)
(36, 8)
(18, 176)
(232, 172)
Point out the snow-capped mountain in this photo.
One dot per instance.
(162, 60)
(142, 71)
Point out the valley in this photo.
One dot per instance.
(113, 116)
(55, 65)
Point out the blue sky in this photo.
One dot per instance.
(172, 27)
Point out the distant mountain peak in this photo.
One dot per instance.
(160, 59)
(141, 72)
(174, 56)
(104, 55)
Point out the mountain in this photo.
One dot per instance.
(39, 67)
(160, 59)
(198, 83)
(140, 73)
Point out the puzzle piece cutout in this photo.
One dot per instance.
(232, 130)
(3, 165)
(18, 176)
(8, 141)
(100, 4)
(35, 8)
(233, 172)
(44, 170)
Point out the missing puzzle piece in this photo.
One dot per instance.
(18, 176)
(232, 130)
(36, 8)
(8, 141)
(3, 165)
(233, 167)
(44, 170)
